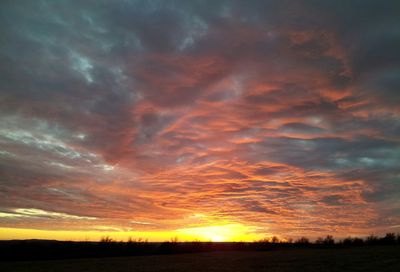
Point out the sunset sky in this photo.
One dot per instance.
(209, 120)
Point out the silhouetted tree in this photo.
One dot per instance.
(389, 239)
(358, 241)
(329, 240)
(349, 241)
(319, 241)
(263, 241)
(275, 240)
(302, 241)
(372, 240)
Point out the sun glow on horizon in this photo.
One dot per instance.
(219, 233)
(222, 233)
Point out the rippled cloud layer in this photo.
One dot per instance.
(282, 116)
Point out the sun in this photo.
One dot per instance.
(217, 238)
(219, 233)
(210, 233)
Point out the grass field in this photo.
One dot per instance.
(376, 258)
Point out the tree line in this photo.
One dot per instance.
(107, 247)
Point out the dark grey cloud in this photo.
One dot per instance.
(300, 127)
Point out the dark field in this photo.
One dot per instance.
(368, 258)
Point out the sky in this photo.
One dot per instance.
(210, 120)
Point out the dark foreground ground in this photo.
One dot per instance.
(368, 258)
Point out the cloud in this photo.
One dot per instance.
(261, 113)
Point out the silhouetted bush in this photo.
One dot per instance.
(170, 246)
(106, 239)
(263, 241)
